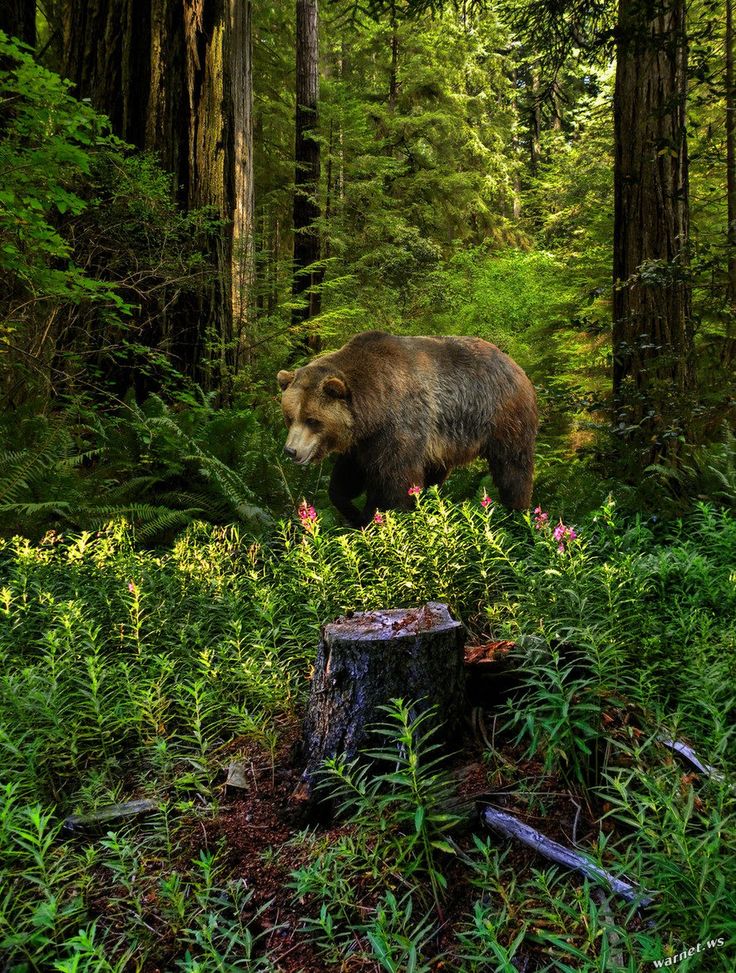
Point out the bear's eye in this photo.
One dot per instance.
(314, 424)
(288, 420)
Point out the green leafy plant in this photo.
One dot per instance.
(404, 806)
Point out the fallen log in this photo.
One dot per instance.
(511, 827)
(366, 659)
(100, 821)
(686, 751)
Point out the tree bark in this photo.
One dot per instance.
(107, 56)
(535, 124)
(365, 660)
(393, 79)
(306, 283)
(175, 78)
(555, 95)
(653, 356)
(18, 19)
(243, 239)
(730, 164)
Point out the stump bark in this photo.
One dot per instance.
(368, 658)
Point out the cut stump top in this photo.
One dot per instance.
(394, 623)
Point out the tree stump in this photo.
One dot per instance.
(368, 658)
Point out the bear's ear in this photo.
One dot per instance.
(285, 379)
(335, 388)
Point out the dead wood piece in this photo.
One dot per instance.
(489, 654)
(686, 751)
(616, 956)
(237, 776)
(511, 827)
(491, 674)
(105, 817)
(366, 659)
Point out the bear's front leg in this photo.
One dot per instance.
(346, 483)
(391, 491)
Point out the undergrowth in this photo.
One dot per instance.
(134, 673)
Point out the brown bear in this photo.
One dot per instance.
(403, 411)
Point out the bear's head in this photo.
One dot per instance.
(315, 401)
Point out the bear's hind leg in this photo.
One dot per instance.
(346, 483)
(513, 474)
(435, 475)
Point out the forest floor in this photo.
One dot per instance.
(259, 831)
(259, 828)
(130, 673)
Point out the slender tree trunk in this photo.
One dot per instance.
(18, 19)
(556, 98)
(306, 283)
(653, 357)
(243, 242)
(535, 124)
(329, 187)
(731, 159)
(342, 70)
(393, 80)
(516, 150)
(273, 292)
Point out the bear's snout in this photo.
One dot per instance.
(302, 445)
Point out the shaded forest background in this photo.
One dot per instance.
(195, 193)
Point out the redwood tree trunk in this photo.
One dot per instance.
(175, 77)
(653, 358)
(243, 274)
(18, 19)
(107, 55)
(305, 288)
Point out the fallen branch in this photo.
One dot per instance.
(97, 822)
(511, 827)
(686, 751)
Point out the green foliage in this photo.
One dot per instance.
(708, 472)
(399, 811)
(159, 466)
(94, 250)
(48, 138)
(125, 668)
(400, 825)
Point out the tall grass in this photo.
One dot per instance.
(126, 671)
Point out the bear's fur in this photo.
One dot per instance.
(403, 411)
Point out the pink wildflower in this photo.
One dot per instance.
(131, 587)
(485, 501)
(307, 515)
(378, 517)
(563, 535)
(540, 518)
(414, 491)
